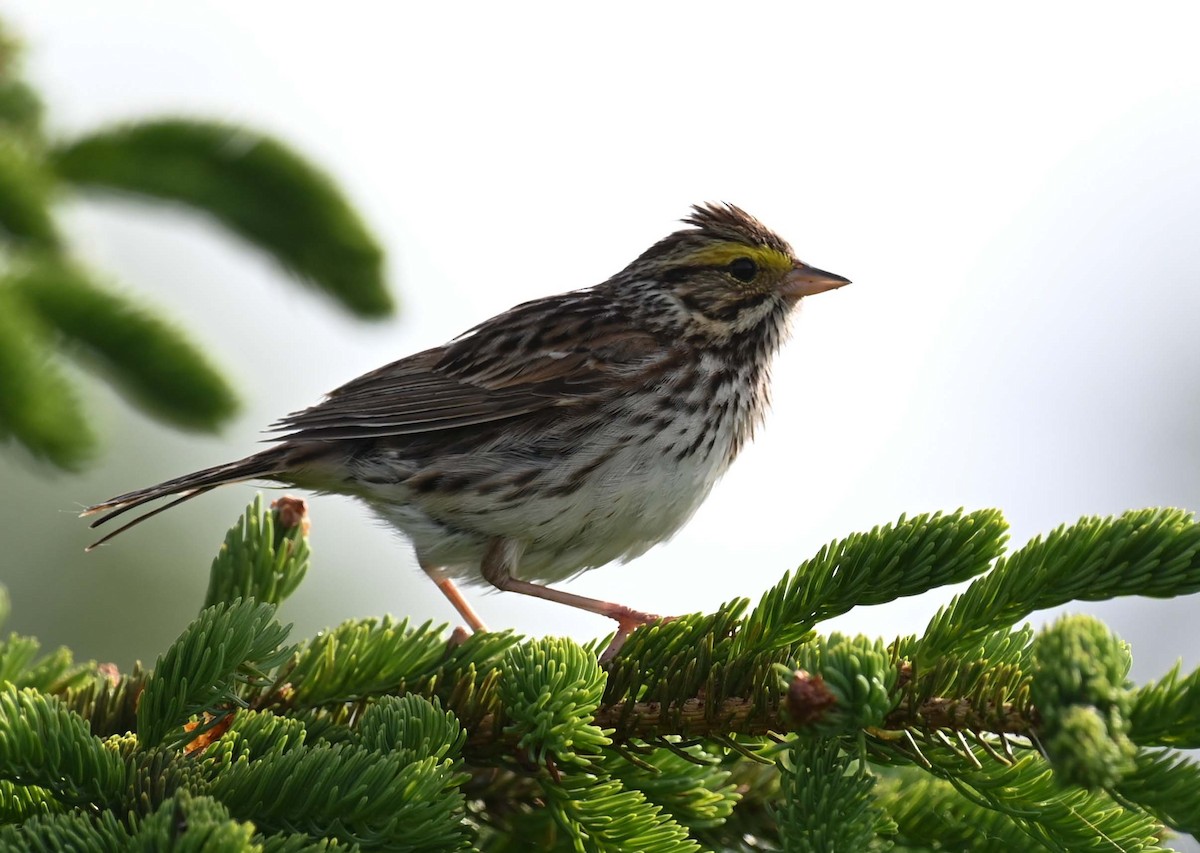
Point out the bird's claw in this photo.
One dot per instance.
(628, 621)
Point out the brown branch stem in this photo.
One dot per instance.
(693, 718)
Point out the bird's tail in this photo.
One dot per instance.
(260, 465)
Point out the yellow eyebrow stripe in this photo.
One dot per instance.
(722, 254)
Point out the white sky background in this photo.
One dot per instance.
(1016, 199)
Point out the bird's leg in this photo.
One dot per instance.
(450, 590)
(502, 557)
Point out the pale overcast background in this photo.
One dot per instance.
(1015, 194)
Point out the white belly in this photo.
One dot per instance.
(633, 499)
(626, 496)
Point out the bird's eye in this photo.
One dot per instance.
(743, 269)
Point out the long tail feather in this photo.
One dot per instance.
(186, 496)
(260, 465)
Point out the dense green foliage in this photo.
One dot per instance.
(739, 730)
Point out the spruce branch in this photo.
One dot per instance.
(74, 831)
(254, 735)
(254, 185)
(681, 657)
(20, 107)
(21, 666)
(688, 782)
(205, 821)
(154, 775)
(1080, 681)
(600, 815)
(25, 191)
(264, 556)
(165, 374)
(1167, 712)
(827, 801)
(550, 690)
(296, 842)
(1053, 815)
(108, 701)
(382, 734)
(994, 670)
(257, 187)
(1154, 552)
(45, 745)
(39, 410)
(1166, 784)
(350, 793)
(891, 561)
(227, 644)
(19, 803)
(413, 727)
(365, 657)
(931, 813)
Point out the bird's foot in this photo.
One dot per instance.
(628, 621)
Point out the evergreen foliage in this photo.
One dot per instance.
(826, 801)
(139, 353)
(40, 409)
(264, 557)
(255, 186)
(251, 184)
(382, 735)
(225, 646)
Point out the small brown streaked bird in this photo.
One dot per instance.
(563, 434)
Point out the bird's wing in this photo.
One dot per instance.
(533, 358)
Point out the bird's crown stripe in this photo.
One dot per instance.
(720, 254)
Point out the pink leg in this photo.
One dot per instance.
(502, 557)
(450, 590)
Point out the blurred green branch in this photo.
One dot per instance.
(253, 185)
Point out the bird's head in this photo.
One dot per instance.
(727, 274)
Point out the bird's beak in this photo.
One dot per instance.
(804, 280)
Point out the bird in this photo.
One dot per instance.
(566, 433)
